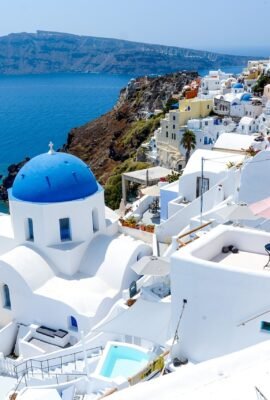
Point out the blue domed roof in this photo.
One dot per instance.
(246, 97)
(238, 86)
(54, 177)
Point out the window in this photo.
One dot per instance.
(30, 230)
(65, 233)
(73, 324)
(167, 134)
(95, 221)
(6, 297)
(173, 126)
(173, 117)
(265, 326)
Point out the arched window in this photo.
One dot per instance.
(65, 233)
(30, 230)
(6, 297)
(95, 221)
(73, 324)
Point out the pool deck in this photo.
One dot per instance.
(243, 260)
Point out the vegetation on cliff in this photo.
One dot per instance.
(261, 83)
(113, 186)
(110, 143)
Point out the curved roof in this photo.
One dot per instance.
(29, 265)
(238, 85)
(54, 177)
(246, 97)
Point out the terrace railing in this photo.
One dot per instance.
(31, 366)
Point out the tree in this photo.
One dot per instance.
(188, 141)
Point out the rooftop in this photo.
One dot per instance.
(242, 259)
(251, 256)
(145, 176)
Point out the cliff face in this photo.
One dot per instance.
(50, 52)
(113, 138)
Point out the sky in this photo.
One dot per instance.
(232, 26)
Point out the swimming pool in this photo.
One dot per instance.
(122, 360)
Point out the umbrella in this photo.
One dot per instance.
(261, 208)
(122, 208)
(151, 190)
(236, 212)
(151, 265)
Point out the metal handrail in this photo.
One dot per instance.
(252, 318)
(52, 375)
(32, 364)
(198, 228)
(194, 230)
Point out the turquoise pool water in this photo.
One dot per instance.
(123, 361)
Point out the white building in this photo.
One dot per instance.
(247, 126)
(237, 104)
(215, 82)
(227, 314)
(206, 170)
(263, 121)
(221, 316)
(208, 130)
(60, 250)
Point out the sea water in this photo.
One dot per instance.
(35, 109)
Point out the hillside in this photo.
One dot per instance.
(109, 144)
(51, 52)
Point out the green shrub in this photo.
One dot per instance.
(113, 186)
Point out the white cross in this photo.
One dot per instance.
(51, 151)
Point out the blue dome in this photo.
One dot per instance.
(238, 86)
(52, 178)
(246, 97)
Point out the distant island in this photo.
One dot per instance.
(52, 52)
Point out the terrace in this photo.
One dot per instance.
(234, 248)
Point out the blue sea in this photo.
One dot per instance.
(37, 109)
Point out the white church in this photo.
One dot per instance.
(63, 263)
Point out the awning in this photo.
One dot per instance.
(151, 190)
(261, 208)
(151, 265)
(149, 320)
(236, 212)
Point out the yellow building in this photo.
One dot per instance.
(193, 109)
(252, 75)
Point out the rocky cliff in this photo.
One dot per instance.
(50, 52)
(109, 144)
